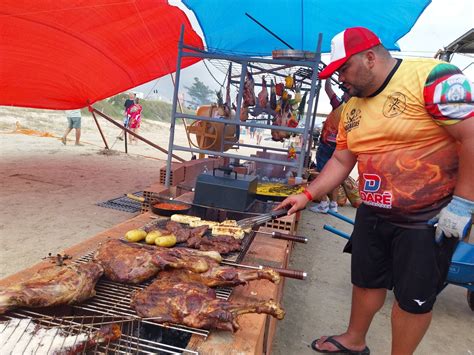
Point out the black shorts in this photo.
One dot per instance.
(406, 260)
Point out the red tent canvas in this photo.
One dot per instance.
(66, 54)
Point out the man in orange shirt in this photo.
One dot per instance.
(409, 125)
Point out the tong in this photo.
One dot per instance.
(258, 220)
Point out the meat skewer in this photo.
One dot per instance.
(223, 275)
(194, 304)
(53, 286)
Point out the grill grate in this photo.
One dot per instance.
(123, 203)
(130, 342)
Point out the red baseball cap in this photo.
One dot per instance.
(347, 43)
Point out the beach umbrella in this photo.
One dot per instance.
(237, 27)
(66, 54)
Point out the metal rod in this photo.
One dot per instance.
(100, 130)
(268, 30)
(336, 231)
(173, 108)
(341, 217)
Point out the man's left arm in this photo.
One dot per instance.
(448, 95)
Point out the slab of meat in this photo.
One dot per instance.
(195, 305)
(182, 233)
(126, 262)
(55, 285)
(218, 275)
(222, 244)
(23, 336)
(134, 263)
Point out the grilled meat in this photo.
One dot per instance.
(135, 263)
(182, 233)
(194, 304)
(126, 262)
(53, 286)
(218, 275)
(221, 244)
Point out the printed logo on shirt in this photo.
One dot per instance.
(395, 105)
(352, 120)
(371, 197)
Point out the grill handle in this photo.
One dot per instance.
(292, 237)
(292, 274)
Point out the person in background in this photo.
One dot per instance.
(128, 103)
(74, 121)
(409, 126)
(134, 114)
(327, 146)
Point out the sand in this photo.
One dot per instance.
(49, 191)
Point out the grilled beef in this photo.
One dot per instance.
(134, 263)
(193, 304)
(53, 286)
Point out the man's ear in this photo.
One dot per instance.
(370, 58)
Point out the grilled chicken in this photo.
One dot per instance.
(53, 286)
(134, 263)
(218, 275)
(195, 305)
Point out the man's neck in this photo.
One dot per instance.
(382, 74)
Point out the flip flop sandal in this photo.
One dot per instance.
(341, 349)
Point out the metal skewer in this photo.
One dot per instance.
(294, 274)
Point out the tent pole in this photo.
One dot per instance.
(136, 135)
(100, 130)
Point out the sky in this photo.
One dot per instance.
(442, 22)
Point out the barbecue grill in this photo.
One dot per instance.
(111, 304)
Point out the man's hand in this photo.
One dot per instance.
(297, 202)
(455, 219)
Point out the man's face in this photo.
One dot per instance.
(131, 96)
(356, 76)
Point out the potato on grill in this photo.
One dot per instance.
(235, 232)
(183, 218)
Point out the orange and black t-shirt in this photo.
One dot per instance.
(407, 161)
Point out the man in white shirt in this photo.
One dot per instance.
(74, 121)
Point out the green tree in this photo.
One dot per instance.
(199, 92)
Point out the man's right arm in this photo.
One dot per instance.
(335, 171)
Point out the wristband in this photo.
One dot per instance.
(308, 195)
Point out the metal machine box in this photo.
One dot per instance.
(229, 191)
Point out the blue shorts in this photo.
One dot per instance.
(323, 154)
(74, 122)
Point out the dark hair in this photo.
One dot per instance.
(137, 100)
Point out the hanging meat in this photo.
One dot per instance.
(262, 97)
(195, 305)
(134, 263)
(281, 119)
(249, 91)
(273, 96)
(54, 285)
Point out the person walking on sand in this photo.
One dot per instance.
(128, 103)
(134, 114)
(409, 126)
(74, 121)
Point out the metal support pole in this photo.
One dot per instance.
(173, 109)
(98, 127)
(312, 92)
